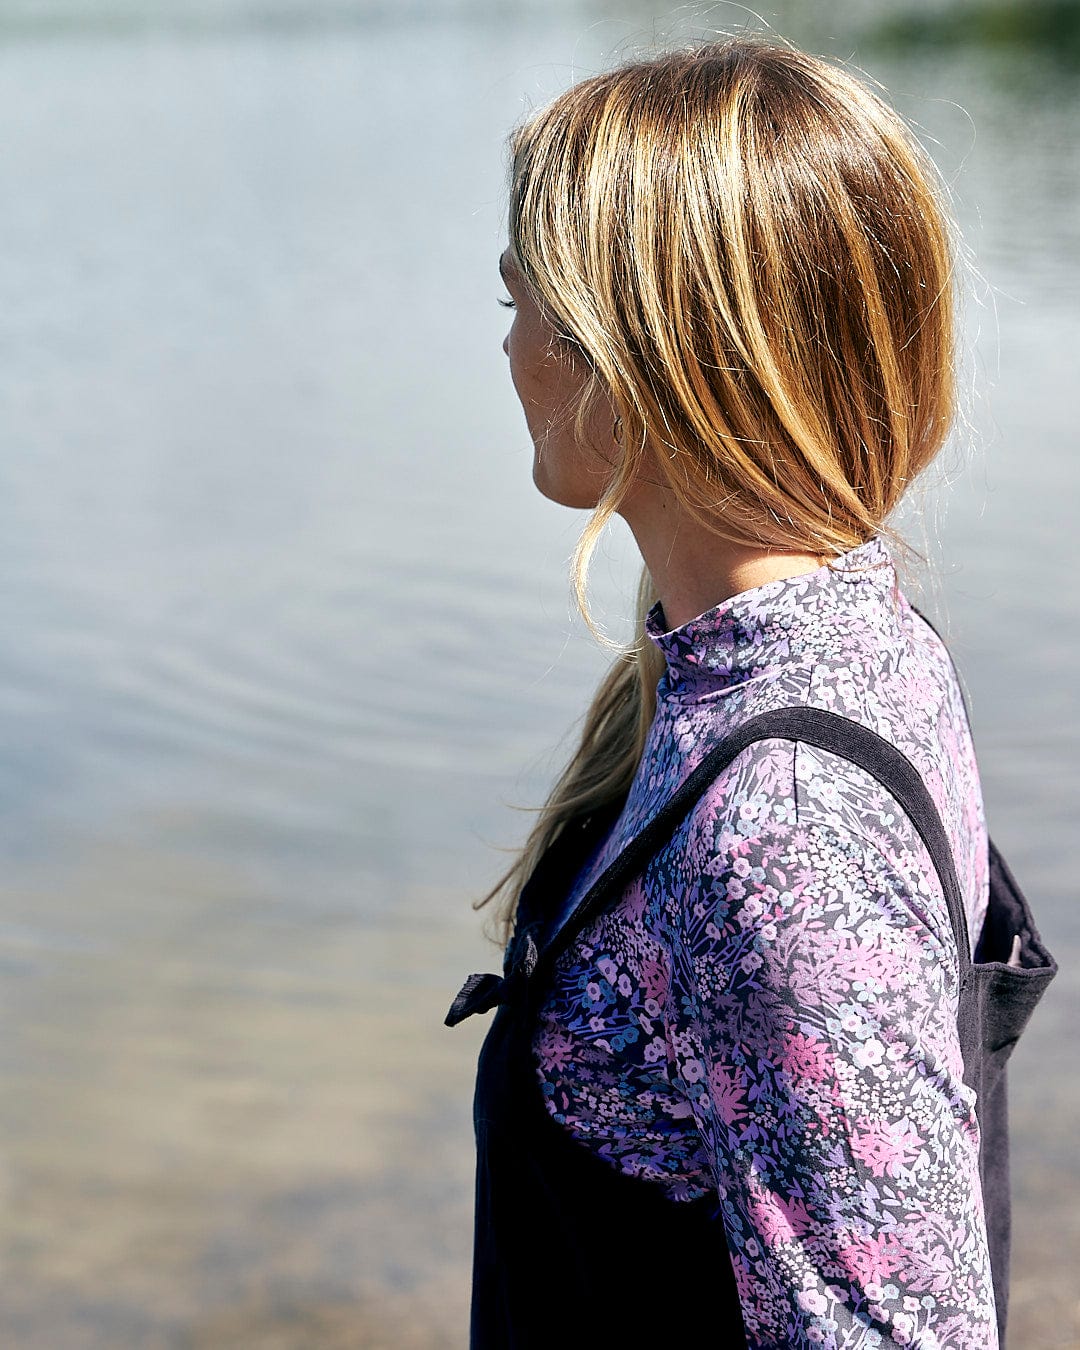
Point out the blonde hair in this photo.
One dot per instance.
(748, 253)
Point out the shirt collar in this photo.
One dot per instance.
(797, 618)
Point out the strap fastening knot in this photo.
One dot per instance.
(477, 995)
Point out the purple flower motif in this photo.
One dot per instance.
(771, 1000)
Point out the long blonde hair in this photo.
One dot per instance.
(749, 254)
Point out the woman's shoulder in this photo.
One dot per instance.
(782, 799)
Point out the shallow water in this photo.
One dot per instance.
(285, 630)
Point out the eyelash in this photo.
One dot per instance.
(508, 304)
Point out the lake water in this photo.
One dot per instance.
(285, 634)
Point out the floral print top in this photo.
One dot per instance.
(768, 1013)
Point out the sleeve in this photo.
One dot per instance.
(811, 1027)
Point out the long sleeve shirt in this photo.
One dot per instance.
(768, 1015)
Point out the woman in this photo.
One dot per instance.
(725, 1106)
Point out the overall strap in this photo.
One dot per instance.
(813, 726)
(841, 736)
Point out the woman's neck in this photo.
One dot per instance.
(692, 568)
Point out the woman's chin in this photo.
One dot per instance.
(575, 500)
(578, 496)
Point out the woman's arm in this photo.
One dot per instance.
(811, 1024)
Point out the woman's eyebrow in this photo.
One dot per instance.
(502, 266)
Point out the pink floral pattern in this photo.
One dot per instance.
(767, 1016)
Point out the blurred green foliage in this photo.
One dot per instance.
(1050, 26)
